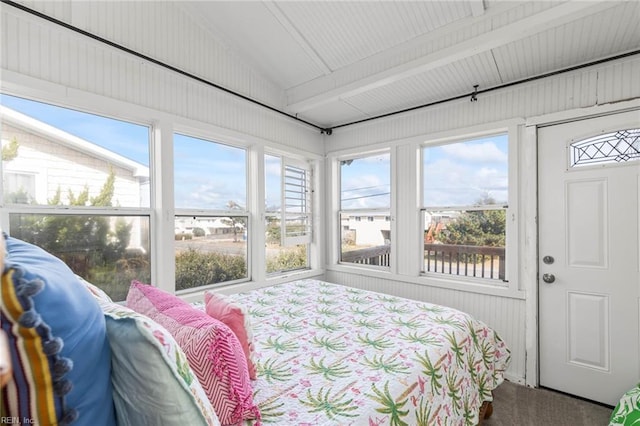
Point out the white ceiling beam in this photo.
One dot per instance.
(324, 90)
(297, 36)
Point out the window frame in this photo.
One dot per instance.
(406, 202)
(245, 213)
(508, 284)
(306, 195)
(360, 213)
(145, 213)
(307, 240)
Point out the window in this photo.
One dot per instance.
(19, 188)
(465, 205)
(609, 148)
(78, 185)
(211, 222)
(288, 195)
(365, 191)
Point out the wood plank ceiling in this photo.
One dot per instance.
(339, 62)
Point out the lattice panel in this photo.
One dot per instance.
(615, 147)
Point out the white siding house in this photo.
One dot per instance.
(368, 228)
(51, 160)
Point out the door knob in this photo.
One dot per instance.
(548, 278)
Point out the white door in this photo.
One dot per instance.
(589, 259)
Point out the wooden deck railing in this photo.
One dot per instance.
(470, 261)
(378, 255)
(452, 259)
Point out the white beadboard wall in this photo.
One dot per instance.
(597, 85)
(35, 48)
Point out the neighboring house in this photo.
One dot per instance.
(218, 226)
(49, 159)
(368, 228)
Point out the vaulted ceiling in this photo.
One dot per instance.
(339, 62)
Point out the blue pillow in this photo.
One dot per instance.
(57, 338)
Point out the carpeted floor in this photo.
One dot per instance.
(516, 405)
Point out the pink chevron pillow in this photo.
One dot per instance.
(213, 350)
(237, 319)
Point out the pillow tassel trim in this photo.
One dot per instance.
(220, 367)
(28, 333)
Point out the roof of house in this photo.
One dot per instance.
(46, 131)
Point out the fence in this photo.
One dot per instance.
(452, 259)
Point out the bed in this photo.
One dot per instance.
(327, 354)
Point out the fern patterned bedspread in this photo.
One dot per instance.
(333, 355)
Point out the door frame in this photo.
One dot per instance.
(528, 164)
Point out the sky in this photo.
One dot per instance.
(463, 173)
(454, 175)
(210, 175)
(207, 175)
(366, 182)
(127, 139)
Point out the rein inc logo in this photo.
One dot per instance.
(17, 421)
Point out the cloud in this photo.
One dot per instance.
(461, 174)
(483, 152)
(450, 183)
(208, 194)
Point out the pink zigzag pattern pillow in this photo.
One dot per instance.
(213, 350)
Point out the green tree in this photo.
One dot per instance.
(477, 227)
(87, 243)
(20, 196)
(10, 150)
(62, 234)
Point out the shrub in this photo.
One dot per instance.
(195, 268)
(288, 260)
(115, 281)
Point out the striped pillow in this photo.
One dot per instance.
(212, 349)
(58, 343)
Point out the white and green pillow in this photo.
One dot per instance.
(152, 381)
(627, 412)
